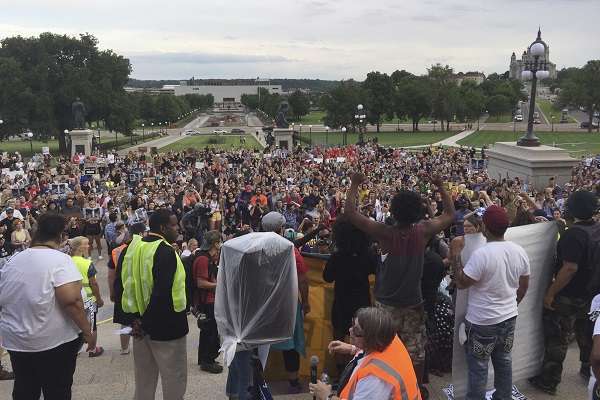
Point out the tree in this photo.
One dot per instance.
(300, 104)
(473, 101)
(51, 71)
(498, 105)
(582, 89)
(412, 97)
(443, 86)
(167, 108)
(340, 104)
(378, 94)
(122, 115)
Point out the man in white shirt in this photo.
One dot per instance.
(497, 278)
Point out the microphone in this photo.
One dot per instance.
(314, 362)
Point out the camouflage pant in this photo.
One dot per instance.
(569, 314)
(410, 327)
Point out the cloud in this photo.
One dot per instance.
(205, 58)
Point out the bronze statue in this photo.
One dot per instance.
(280, 120)
(79, 111)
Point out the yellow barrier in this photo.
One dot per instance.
(318, 331)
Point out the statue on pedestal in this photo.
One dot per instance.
(79, 112)
(280, 120)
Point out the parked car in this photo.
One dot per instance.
(586, 125)
(237, 130)
(189, 132)
(219, 131)
(519, 118)
(537, 120)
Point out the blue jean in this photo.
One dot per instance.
(485, 342)
(239, 376)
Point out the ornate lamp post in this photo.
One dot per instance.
(359, 117)
(534, 70)
(326, 136)
(310, 134)
(29, 135)
(344, 141)
(142, 132)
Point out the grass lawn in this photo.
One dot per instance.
(23, 146)
(202, 141)
(549, 109)
(313, 117)
(499, 119)
(316, 118)
(395, 139)
(577, 143)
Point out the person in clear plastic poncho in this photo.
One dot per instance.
(256, 301)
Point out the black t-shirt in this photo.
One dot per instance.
(573, 247)
(160, 321)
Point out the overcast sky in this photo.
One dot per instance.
(342, 39)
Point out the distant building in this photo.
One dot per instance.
(518, 66)
(223, 91)
(477, 77)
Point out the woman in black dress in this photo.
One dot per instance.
(349, 267)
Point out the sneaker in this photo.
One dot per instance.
(424, 392)
(295, 387)
(97, 352)
(212, 368)
(539, 384)
(584, 371)
(124, 352)
(5, 375)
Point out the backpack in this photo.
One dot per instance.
(593, 256)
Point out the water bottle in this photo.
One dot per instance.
(325, 378)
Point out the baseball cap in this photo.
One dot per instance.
(495, 219)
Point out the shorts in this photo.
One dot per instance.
(411, 329)
(216, 216)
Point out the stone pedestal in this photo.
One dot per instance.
(534, 165)
(81, 141)
(284, 138)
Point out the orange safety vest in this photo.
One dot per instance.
(116, 253)
(393, 365)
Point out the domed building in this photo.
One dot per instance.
(518, 66)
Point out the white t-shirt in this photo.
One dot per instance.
(31, 319)
(497, 267)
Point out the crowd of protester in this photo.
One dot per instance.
(216, 195)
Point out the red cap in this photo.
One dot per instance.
(495, 219)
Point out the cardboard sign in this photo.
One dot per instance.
(45, 150)
(199, 164)
(89, 171)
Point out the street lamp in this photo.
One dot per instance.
(534, 70)
(326, 136)
(142, 132)
(344, 135)
(30, 137)
(359, 117)
(300, 134)
(552, 119)
(310, 134)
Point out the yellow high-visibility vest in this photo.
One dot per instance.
(136, 275)
(83, 265)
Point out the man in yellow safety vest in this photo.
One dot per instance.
(150, 296)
